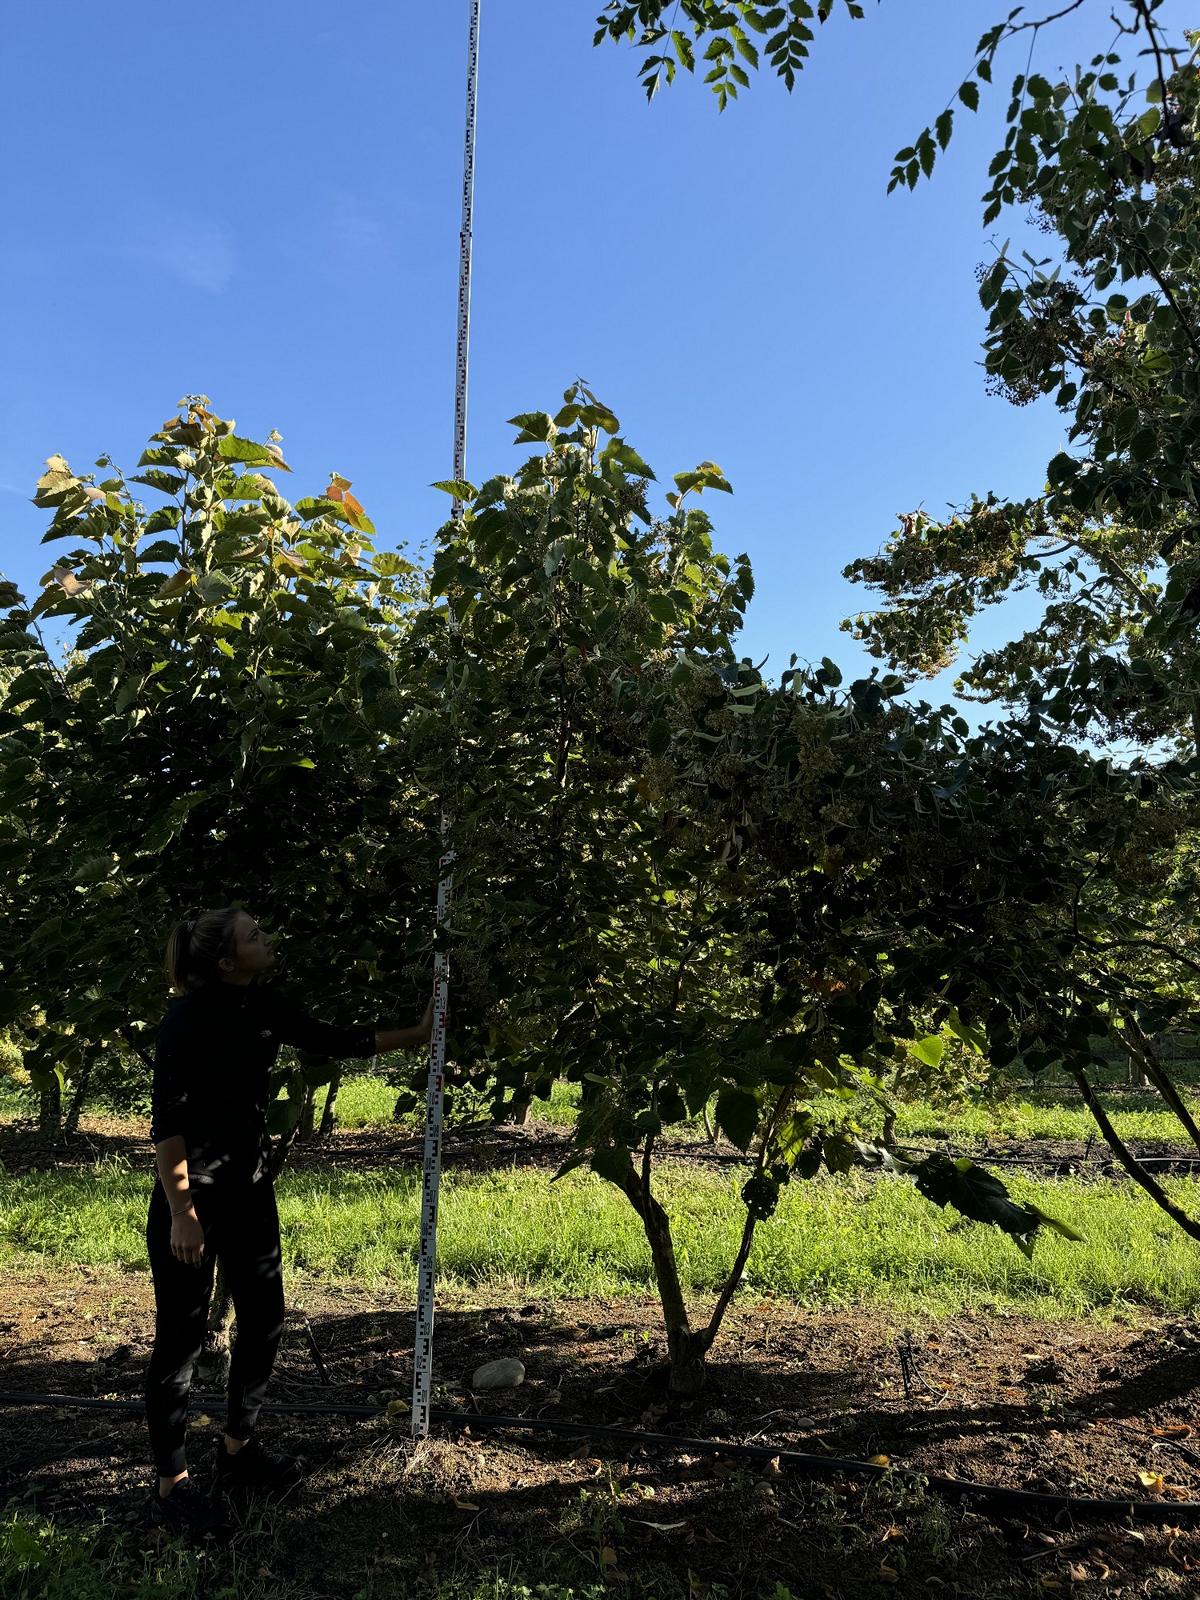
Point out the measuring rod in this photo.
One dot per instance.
(432, 1172)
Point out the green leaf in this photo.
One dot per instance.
(658, 737)
(627, 457)
(611, 1162)
(973, 1037)
(537, 427)
(929, 1050)
(968, 93)
(259, 455)
(457, 488)
(737, 1116)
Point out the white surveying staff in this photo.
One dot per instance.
(423, 1353)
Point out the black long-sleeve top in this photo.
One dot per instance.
(214, 1051)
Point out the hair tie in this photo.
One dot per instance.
(188, 926)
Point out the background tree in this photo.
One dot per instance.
(1106, 325)
(231, 731)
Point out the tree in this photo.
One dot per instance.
(667, 873)
(231, 730)
(1113, 540)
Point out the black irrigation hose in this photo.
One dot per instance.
(980, 1497)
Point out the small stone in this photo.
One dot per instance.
(505, 1374)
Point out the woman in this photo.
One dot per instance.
(213, 1194)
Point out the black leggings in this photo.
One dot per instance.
(241, 1226)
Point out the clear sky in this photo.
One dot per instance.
(260, 202)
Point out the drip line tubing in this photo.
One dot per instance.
(982, 1497)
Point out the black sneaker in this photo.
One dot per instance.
(254, 1469)
(185, 1510)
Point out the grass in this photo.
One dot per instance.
(367, 1102)
(1056, 1113)
(833, 1241)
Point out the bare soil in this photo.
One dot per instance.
(994, 1399)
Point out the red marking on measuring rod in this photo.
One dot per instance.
(432, 1173)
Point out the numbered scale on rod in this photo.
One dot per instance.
(432, 1173)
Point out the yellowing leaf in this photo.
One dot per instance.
(880, 1461)
(1152, 1481)
(175, 584)
(463, 1505)
(67, 581)
(608, 1556)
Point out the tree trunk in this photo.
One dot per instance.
(50, 1112)
(686, 1348)
(516, 1112)
(212, 1366)
(1135, 1074)
(307, 1113)
(71, 1126)
(326, 1126)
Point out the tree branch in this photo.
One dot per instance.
(1129, 1161)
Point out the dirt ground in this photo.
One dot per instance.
(1000, 1401)
(997, 1399)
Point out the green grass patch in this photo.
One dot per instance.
(365, 1101)
(833, 1241)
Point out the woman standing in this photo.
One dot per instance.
(213, 1195)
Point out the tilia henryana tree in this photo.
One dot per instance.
(669, 873)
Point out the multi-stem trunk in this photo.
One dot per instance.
(686, 1347)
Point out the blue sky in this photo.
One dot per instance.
(261, 203)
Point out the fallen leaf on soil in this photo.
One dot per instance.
(888, 1574)
(203, 1422)
(881, 1461)
(660, 1527)
(1079, 1573)
(1051, 1583)
(1173, 1430)
(891, 1533)
(772, 1468)
(608, 1556)
(463, 1505)
(1152, 1481)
